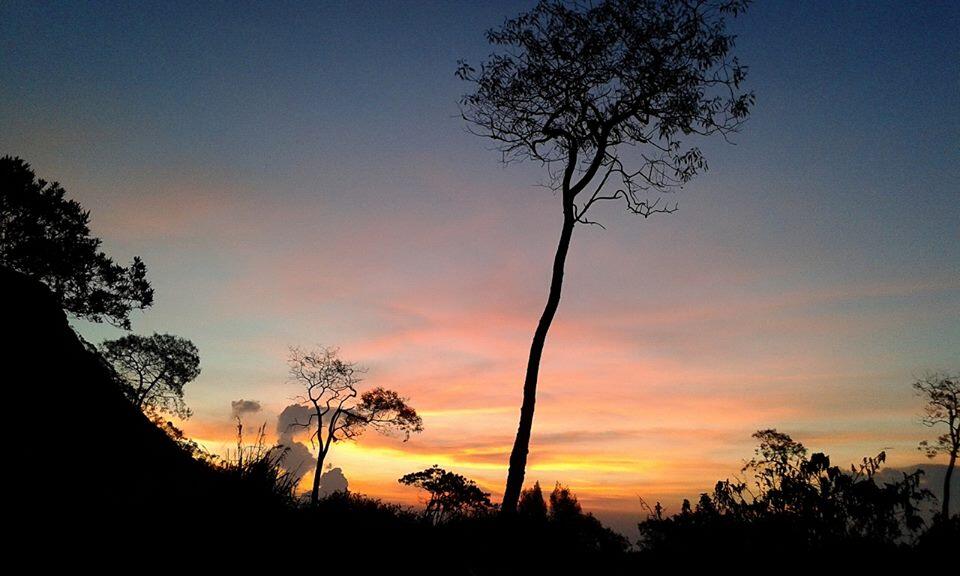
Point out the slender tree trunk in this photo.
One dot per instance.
(315, 494)
(945, 511)
(521, 446)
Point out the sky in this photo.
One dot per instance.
(296, 174)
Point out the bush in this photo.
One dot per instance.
(793, 504)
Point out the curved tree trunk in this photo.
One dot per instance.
(521, 446)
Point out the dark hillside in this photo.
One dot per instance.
(108, 462)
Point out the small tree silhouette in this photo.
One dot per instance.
(47, 237)
(941, 392)
(532, 504)
(451, 495)
(564, 505)
(153, 371)
(338, 411)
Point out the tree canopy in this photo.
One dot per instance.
(153, 370)
(531, 504)
(47, 237)
(575, 81)
(451, 495)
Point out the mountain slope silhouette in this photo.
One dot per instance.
(90, 463)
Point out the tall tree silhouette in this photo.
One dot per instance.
(573, 86)
(153, 370)
(337, 410)
(941, 392)
(47, 237)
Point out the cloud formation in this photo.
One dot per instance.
(241, 407)
(332, 481)
(296, 458)
(289, 418)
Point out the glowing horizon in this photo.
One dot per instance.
(293, 179)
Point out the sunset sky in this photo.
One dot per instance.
(298, 174)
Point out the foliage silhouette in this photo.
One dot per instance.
(184, 442)
(260, 468)
(532, 505)
(564, 504)
(564, 542)
(941, 393)
(580, 530)
(153, 370)
(791, 503)
(337, 410)
(47, 237)
(451, 495)
(573, 86)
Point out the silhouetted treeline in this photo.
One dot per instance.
(790, 504)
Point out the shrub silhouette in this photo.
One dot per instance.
(791, 502)
(259, 468)
(532, 505)
(578, 530)
(564, 505)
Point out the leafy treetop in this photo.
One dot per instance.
(153, 370)
(47, 237)
(451, 494)
(573, 81)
